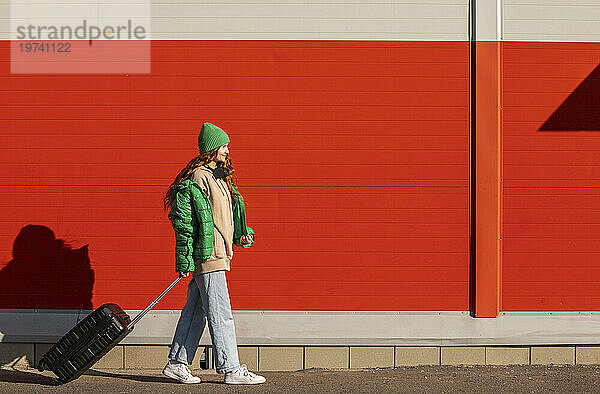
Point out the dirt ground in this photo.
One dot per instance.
(437, 379)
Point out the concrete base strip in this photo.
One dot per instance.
(293, 358)
(317, 328)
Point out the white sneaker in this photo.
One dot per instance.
(180, 372)
(243, 376)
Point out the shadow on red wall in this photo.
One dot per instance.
(581, 110)
(46, 273)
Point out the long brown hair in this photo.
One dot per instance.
(198, 161)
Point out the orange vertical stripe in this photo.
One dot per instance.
(488, 187)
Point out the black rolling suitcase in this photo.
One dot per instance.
(91, 339)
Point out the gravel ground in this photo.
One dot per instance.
(438, 379)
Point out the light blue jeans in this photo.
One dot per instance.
(207, 299)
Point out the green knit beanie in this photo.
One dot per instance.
(211, 137)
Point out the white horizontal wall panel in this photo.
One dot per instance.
(337, 19)
(330, 10)
(303, 28)
(553, 3)
(551, 13)
(552, 20)
(4, 19)
(429, 20)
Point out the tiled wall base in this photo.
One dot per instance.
(290, 358)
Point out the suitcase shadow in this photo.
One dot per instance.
(137, 378)
(18, 376)
(143, 378)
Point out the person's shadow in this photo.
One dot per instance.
(45, 273)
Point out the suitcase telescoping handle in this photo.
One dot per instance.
(142, 313)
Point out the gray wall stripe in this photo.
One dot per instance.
(335, 328)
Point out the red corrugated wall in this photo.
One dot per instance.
(551, 148)
(353, 158)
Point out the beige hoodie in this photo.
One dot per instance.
(219, 198)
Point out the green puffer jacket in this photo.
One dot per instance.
(192, 219)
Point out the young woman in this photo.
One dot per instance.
(208, 216)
